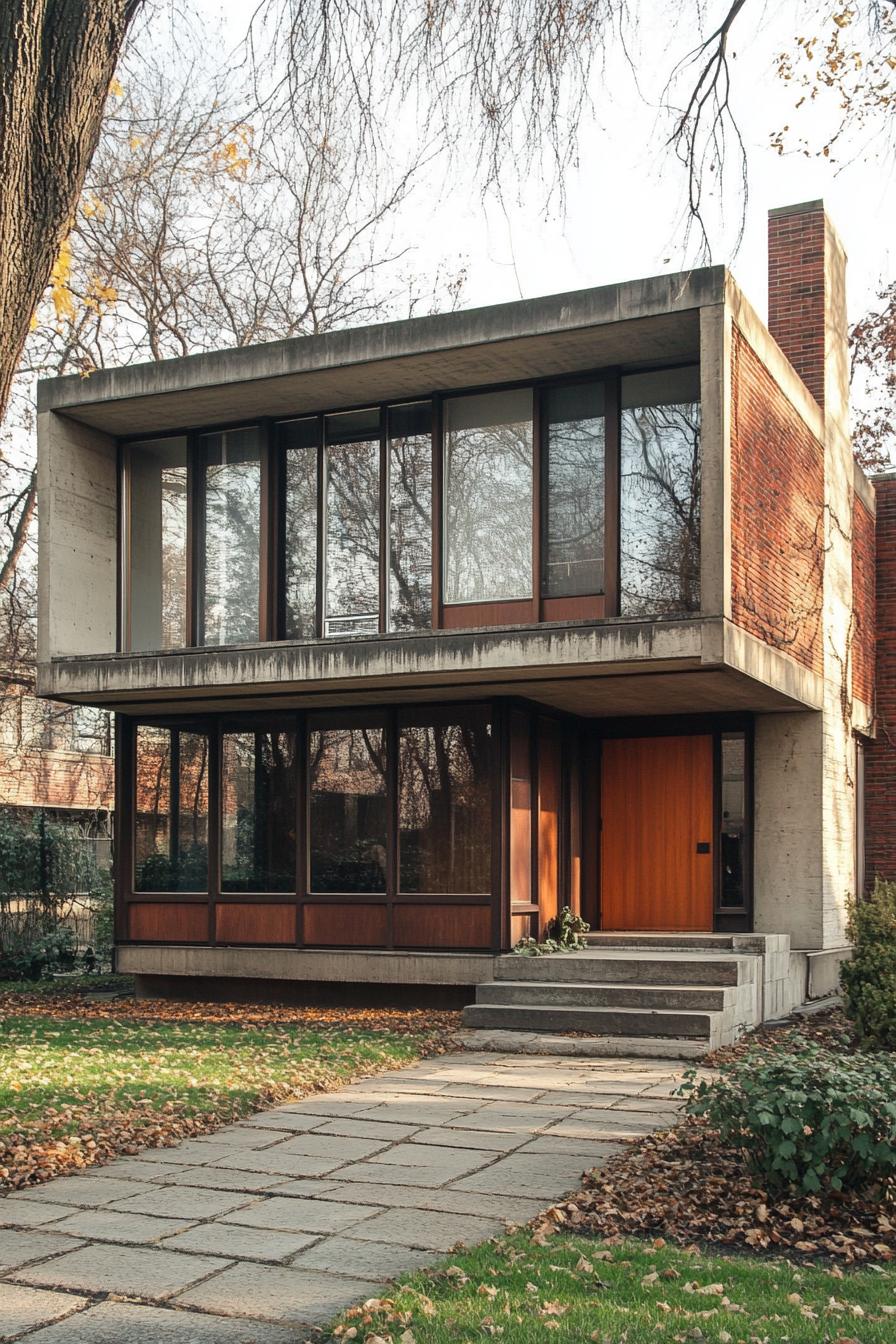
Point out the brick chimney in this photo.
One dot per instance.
(807, 300)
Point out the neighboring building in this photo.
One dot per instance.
(417, 632)
(57, 760)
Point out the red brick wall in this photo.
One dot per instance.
(862, 601)
(796, 292)
(880, 755)
(777, 502)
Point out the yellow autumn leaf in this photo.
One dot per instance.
(59, 276)
(115, 88)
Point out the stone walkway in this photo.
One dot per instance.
(254, 1233)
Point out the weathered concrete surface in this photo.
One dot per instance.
(614, 324)
(453, 1149)
(272, 963)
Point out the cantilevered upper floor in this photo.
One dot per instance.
(545, 497)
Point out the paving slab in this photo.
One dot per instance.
(239, 1136)
(135, 1229)
(290, 1121)
(26, 1308)
(83, 1191)
(435, 1232)
(18, 1248)
(184, 1201)
(217, 1178)
(21, 1213)
(547, 1177)
(127, 1323)
(373, 1259)
(287, 1296)
(481, 1139)
(135, 1271)
(368, 1129)
(410, 1111)
(509, 1208)
(299, 1215)
(434, 1174)
(241, 1243)
(277, 1164)
(337, 1146)
(145, 1169)
(460, 1160)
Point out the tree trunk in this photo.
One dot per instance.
(57, 59)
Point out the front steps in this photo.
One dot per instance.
(676, 996)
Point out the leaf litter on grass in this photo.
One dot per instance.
(82, 1082)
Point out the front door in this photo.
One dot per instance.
(657, 837)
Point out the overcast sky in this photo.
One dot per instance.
(623, 214)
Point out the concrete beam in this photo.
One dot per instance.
(320, 966)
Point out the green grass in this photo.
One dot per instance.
(52, 1063)
(563, 1293)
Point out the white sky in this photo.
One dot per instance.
(623, 216)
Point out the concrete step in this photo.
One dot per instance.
(558, 995)
(599, 966)
(583, 1047)
(657, 1023)
(707, 942)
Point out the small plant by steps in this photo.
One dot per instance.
(564, 933)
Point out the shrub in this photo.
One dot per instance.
(807, 1118)
(869, 980)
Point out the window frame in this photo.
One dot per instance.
(444, 615)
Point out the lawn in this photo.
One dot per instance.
(80, 1082)
(574, 1289)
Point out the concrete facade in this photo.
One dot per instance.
(727, 658)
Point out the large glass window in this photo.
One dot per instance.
(157, 543)
(348, 812)
(231, 499)
(352, 565)
(444, 805)
(734, 818)
(660, 493)
(171, 811)
(488, 497)
(298, 444)
(410, 517)
(258, 811)
(574, 491)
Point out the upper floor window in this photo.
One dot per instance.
(488, 497)
(156, 539)
(572, 499)
(230, 503)
(659, 565)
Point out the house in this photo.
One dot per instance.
(419, 632)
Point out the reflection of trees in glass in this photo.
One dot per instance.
(574, 558)
(410, 532)
(232, 482)
(353, 538)
(348, 809)
(488, 498)
(660, 509)
(174, 557)
(445, 817)
(300, 558)
(171, 834)
(258, 823)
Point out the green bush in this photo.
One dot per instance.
(869, 980)
(806, 1118)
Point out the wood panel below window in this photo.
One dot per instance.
(249, 922)
(442, 926)
(168, 922)
(345, 925)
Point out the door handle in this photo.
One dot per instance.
(704, 847)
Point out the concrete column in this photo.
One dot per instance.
(77, 491)
(715, 460)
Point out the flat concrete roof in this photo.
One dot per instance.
(653, 320)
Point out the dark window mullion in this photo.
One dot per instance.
(383, 622)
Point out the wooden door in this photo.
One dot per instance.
(657, 836)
